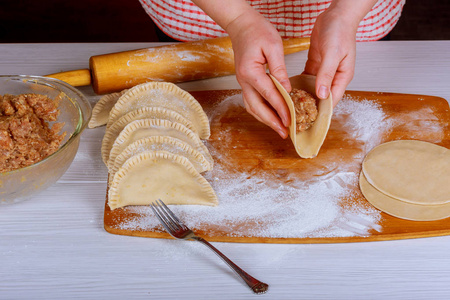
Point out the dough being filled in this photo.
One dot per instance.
(162, 94)
(412, 171)
(163, 144)
(149, 176)
(114, 130)
(307, 143)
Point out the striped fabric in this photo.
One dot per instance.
(184, 21)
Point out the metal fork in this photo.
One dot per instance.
(178, 230)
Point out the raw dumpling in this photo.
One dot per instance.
(114, 130)
(149, 176)
(100, 112)
(163, 144)
(155, 127)
(162, 94)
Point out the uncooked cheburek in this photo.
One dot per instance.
(163, 144)
(147, 177)
(114, 130)
(100, 112)
(155, 127)
(162, 94)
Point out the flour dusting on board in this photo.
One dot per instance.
(280, 208)
(416, 121)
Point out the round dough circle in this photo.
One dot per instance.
(412, 171)
(401, 209)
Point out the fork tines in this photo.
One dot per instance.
(166, 216)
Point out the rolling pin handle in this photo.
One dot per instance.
(75, 78)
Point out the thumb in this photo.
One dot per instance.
(277, 67)
(325, 75)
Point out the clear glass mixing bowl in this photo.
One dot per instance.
(75, 112)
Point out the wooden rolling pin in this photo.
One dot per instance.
(173, 63)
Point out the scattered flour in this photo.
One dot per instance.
(416, 121)
(365, 119)
(299, 209)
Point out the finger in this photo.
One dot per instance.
(258, 81)
(267, 89)
(312, 64)
(343, 77)
(277, 66)
(337, 91)
(258, 108)
(325, 74)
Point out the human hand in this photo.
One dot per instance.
(332, 53)
(257, 43)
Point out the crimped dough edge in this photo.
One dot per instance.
(112, 132)
(152, 157)
(127, 98)
(100, 112)
(146, 123)
(197, 158)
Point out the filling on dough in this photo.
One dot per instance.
(305, 109)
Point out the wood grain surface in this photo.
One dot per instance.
(261, 149)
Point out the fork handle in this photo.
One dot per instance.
(257, 286)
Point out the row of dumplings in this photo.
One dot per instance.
(153, 146)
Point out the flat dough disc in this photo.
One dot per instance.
(402, 209)
(163, 144)
(147, 177)
(114, 130)
(162, 94)
(307, 143)
(144, 128)
(412, 171)
(100, 112)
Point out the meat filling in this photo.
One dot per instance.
(305, 109)
(25, 134)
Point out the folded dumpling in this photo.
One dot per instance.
(155, 127)
(162, 94)
(149, 176)
(114, 130)
(163, 144)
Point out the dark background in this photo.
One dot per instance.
(53, 21)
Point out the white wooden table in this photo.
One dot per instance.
(55, 247)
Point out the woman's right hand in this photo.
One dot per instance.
(256, 43)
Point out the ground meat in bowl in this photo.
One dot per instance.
(305, 109)
(25, 134)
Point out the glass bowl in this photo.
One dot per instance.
(75, 112)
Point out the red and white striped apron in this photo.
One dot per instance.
(184, 21)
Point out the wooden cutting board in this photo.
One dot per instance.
(258, 148)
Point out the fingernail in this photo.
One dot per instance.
(323, 92)
(282, 132)
(286, 84)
